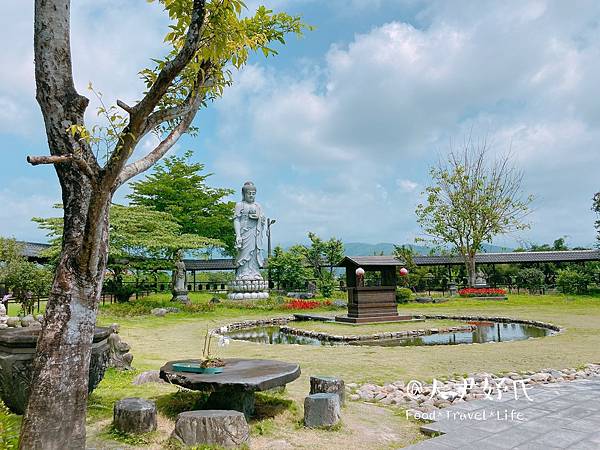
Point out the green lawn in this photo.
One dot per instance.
(155, 340)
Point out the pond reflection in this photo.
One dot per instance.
(485, 332)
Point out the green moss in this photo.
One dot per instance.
(117, 385)
(129, 438)
(170, 405)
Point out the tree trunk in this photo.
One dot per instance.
(62, 361)
(55, 414)
(471, 270)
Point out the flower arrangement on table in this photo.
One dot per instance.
(482, 292)
(209, 360)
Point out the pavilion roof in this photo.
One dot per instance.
(480, 258)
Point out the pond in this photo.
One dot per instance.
(484, 332)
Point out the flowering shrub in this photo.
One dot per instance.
(305, 304)
(481, 292)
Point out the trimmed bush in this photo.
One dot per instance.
(403, 295)
(532, 279)
(570, 281)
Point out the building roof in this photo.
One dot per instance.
(209, 264)
(32, 249)
(480, 258)
(366, 261)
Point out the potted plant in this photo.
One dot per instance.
(210, 364)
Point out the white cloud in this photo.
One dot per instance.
(110, 44)
(407, 185)
(384, 106)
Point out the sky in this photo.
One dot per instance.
(339, 130)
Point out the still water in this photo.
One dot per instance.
(485, 332)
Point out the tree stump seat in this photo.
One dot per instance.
(135, 415)
(224, 428)
(321, 410)
(327, 385)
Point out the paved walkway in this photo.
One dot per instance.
(560, 416)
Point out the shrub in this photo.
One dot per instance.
(531, 278)
(403, 295)
(570, 281)
(481, 292)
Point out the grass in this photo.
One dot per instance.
(155, 340)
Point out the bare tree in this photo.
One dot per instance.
(207, 37)
(472, 199)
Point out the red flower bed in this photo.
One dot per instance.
(305, 304)
(482, 292)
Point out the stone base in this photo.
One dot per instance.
(247, 295)
(135, 415)
(321, 410)
(180, 296)
(226, 429)
(371, 319)
(232, 399)
(248, 289)
(328, 385)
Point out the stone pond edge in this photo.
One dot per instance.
(283, 321)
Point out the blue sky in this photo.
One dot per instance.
(339, 130)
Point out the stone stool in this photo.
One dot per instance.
(225, 428)
(321, 410)
(328, 385)
(135, 415)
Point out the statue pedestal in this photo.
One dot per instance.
(180, 296)
(248, 289)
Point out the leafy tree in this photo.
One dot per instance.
(177, 187)
(596, 208)
(140, 237)
(531, 278)
(323, 254)
(206, 39)
(472, 200)
(289, 267)
(26, 280)
(136, 232)
(571, 281)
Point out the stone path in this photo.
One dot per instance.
(560, 416)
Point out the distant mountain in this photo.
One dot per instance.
(363, 249)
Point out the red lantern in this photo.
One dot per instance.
(403, 272)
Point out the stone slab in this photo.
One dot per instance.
(559, 416)
(242, 374)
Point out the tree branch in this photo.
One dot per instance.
(62, 159)
(143, 164)
(174, 67)
(139, 113)
(124, 106)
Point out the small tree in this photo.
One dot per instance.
(472, 200)
(531, 278)
(323, 254)
(288, 268)
(137, 233)
(26, 280)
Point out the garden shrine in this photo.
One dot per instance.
(371, 303)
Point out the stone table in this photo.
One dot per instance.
(234, 388)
